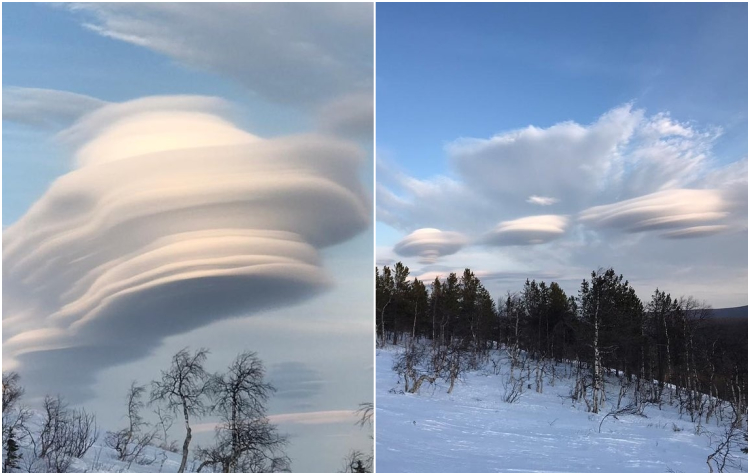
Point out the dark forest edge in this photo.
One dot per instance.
(664, 351)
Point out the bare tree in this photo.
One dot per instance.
(366, 414)
(411, 366)
(245, 439)
(455, 363)
(51, 437)
(12, 390)
(630, 408)
(63, 434)
(357, 461)
(728, 444)
(131, 441)
(82, 432)
(166, 420)
(183, 389)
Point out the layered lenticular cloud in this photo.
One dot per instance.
(173, 218)
(686, 212)
(527, 231)
(429, 244)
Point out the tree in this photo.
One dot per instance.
(419, 303)
(605, 302)
(401, 291)
(15, 419)
(12, 454)
(436, 306)
(357, 461)
(131, 441)
(63, 434)
(245, 440)
(12, 390)
(166, 420)
(183, 388)
(383, 297)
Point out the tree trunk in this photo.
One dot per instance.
(382, 320)
(414, 327)
(668, 375)
(188, 437)
(597, 389)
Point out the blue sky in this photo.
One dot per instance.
(447, 72)
(87, 89)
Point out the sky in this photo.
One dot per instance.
(546, 141)
(192, 175)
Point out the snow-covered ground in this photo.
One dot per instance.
(102, 459)
(473, 430)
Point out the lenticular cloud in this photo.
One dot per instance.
(430, 244)
(172, 219)
(527, 231)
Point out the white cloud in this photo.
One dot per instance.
(566, 160)
(624, 155)
(298, 54)
(669, 209)
(173, 218)
(349, 116)
(622, 186)
(542, 200)
(317, 417)
(696, 231)
(526, 231)
(45, 107)
(429, 244)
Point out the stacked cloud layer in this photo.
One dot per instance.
(526, 231)
(172, 219)
(430, 244)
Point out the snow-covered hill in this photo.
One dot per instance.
(474, 430)
(102, 459)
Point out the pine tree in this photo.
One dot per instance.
(12, 453)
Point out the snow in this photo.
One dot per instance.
(474, 430)
(102, 459)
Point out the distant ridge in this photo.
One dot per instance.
(730, 312)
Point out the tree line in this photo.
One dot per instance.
(665, 350)
(244, 440)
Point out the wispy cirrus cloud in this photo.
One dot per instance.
(295, 54)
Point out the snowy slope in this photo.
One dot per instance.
(473, 430)
(101, 459)
(104, 459)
